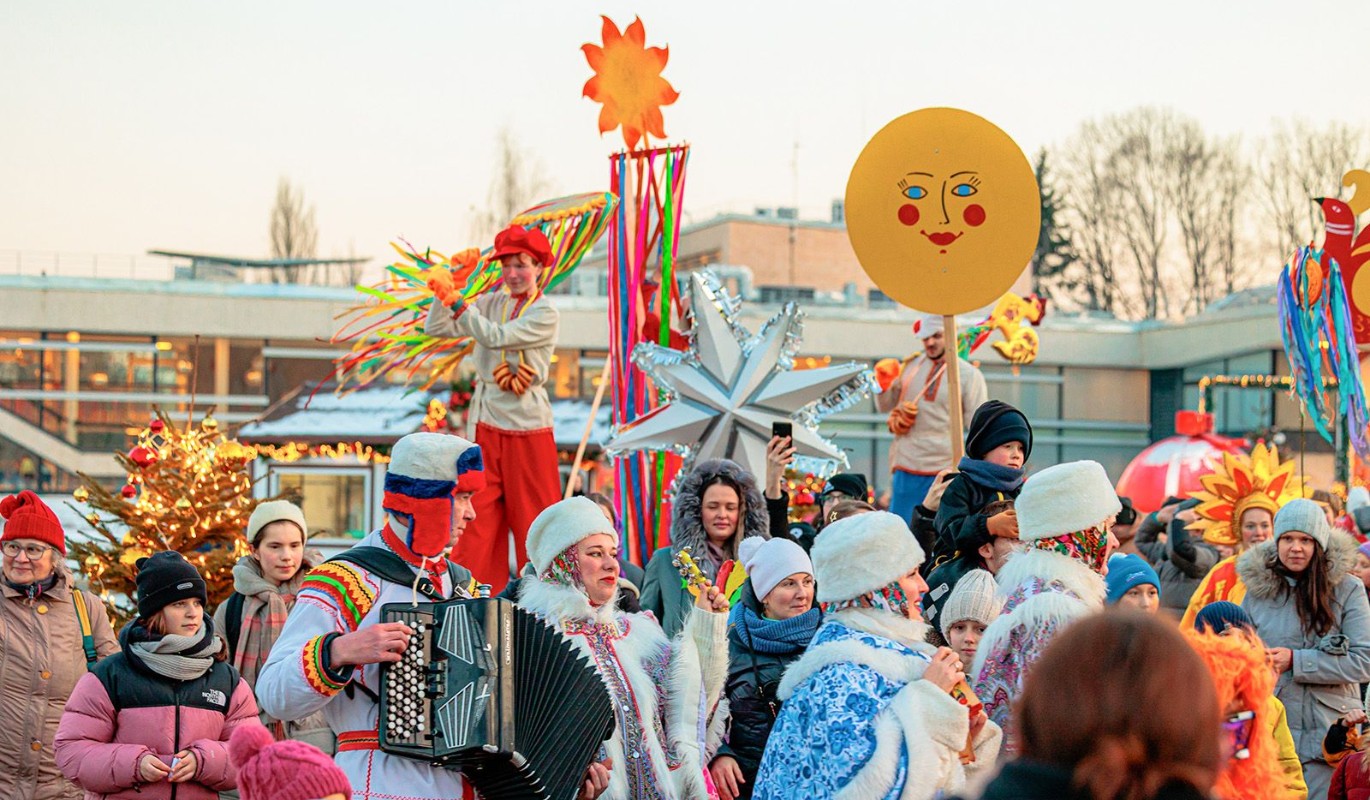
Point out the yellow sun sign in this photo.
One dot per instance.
(628, 82)
(943, 210)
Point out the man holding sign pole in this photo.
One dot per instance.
(919, 404)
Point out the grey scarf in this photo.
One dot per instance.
(180, 658)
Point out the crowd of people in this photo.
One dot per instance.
(999, 633)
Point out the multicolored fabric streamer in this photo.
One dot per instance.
(385, 330)
(1319, 340)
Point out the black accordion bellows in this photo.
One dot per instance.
(490, 689)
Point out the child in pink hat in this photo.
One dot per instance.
(289, 770)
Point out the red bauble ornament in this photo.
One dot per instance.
(142, 456)
(129, 490)
(156, 425)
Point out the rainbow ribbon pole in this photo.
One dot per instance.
(645, 228)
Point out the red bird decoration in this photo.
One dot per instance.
(1351, 251)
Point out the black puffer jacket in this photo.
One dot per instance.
(961, 525)
(753, 679)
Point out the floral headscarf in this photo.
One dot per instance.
(565, 569)
(891, 598)
(1089, 546)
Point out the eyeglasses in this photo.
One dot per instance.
(32, 551)
(1240, 725)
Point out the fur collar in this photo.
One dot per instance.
(557, 603)
(1263, 582)
(1045, 566)
(687, 527)
(910, 633)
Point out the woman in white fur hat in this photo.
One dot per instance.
(867, 709)
(664, 692)
(768, 629)
(1064, 514)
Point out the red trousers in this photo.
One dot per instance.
(521, 479)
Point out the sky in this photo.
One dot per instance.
(141, 124)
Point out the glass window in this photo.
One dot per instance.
(334, 502)
(1109, 395)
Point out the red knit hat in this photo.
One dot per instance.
(27, 517)
(289, 770)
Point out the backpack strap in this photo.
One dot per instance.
(233, 623)
(78, 599)
(391, 568)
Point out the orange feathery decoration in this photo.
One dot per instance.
(1239, 482)
(1245, 682)
(628, 82)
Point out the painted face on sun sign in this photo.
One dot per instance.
(943, 210)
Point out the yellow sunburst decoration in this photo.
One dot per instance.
(1240, 482)
(628, 83)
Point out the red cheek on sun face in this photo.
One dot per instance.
(974, 215)
(908, 214)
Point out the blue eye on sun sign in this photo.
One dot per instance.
(963, 190)
(915, 193)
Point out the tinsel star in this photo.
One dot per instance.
(727, 389)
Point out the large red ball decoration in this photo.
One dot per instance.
(1174, 465)
(142, 456)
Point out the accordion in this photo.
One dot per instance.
(488, 688)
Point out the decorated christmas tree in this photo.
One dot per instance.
(187, 490)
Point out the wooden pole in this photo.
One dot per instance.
(955, 414)
(589, 427)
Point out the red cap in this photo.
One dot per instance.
(518, 239)
(27, 517)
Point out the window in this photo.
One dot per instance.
(335, 501)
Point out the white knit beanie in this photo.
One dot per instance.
(863, 553)
(274, 511)
(1063, 499)
(975, 597)
(770, 561)
(1304, 516)
(563, 524)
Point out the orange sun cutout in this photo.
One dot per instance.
(628, 82)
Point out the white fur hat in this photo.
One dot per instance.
(425, 470)
(770, 561)
(976, 597)
(1064, 499)
(861, 554)
(562, 525)
(275, 511)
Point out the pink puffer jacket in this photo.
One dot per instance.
(99, 748)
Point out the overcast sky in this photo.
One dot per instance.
(132, 125)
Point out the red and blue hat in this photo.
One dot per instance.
(426, 471)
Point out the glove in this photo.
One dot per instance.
(887, 371)
(442, 283)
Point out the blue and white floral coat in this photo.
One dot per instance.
(858, 723)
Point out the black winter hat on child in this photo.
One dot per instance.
(163, 579)
(852, 484)
(996, 423)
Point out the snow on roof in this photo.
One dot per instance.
(73, 519)
(568, 423)
(378, 414)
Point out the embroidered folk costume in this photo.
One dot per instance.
(666, 693)
(1238, 483)
(427, 475)
(510, 416)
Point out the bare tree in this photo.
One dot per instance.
(1140, 166)
(520, 180)
(1301, 161)
(293, 233)
(1091, 206)
(1209, 176)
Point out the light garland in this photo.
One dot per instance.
(1247, 382)
(291, 452)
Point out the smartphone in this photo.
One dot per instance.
(785, 430)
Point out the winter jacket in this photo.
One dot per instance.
(858, 721)
(1278, 721)
(1181, 561)
(249, 582)
(664, 592)
(1221, 583)
(1350, 781)
(961, 527)
(753, 703)
(123, 711)
(1323, 682)
(41, 659)
(1034, 780)
(926, 448)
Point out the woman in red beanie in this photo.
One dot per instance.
(42, 653)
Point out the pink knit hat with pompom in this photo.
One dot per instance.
(289, 770)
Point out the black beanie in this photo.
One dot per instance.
(852, 484)
(996, 423)
(164, 578)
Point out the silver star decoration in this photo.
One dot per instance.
(726, 390)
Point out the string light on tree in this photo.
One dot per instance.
(186, 490)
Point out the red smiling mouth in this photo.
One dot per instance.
(941, 239)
